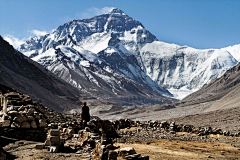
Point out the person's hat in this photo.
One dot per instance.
(84, 102)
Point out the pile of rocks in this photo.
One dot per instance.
(172, 128)
(105, 127)
(25, 117)
(21, 117)
(122, 123)
(97, 138)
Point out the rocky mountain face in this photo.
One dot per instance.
(223, 91)
(110, 72)
(116, 43)
(183, 69)
(23, 74)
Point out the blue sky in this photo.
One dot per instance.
(200, 24)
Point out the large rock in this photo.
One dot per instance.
(25, 125)
(33, 124)
(20, 118)
(126, 151)
(30, 112)
(42, 123)
(30, 118)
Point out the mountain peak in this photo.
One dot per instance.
(117, 11)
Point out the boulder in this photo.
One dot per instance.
(42, 123)
(30, 118)
(20, 118)
(25, 125)
(30, 112)
(36, 115)
(126, 151)
(34, 124)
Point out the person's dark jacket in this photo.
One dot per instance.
(85, 113)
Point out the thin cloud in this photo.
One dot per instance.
(91, 12)
(38, 33)
(14, 41)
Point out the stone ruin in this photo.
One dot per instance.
(21, 117)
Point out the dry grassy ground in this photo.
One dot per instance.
(165, 149)
(157, 149)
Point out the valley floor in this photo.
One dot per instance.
(180, 146)
(183, 146)
(226, 119)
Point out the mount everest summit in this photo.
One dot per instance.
(113, 56)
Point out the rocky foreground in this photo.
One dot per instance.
(29, 130)
(106, 140)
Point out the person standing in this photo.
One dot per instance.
(85, 112)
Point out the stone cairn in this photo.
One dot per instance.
(21, 118)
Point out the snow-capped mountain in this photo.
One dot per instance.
(183, 69)
(234, 50)
(112, 50)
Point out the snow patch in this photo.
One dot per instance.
(85, 63)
